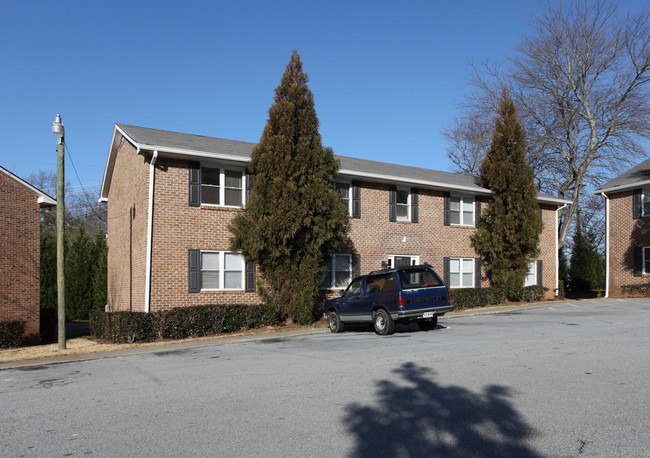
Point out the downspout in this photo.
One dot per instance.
(557, 250)
(606, 244)
(152, 177)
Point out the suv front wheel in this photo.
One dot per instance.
(334, 322)
(384, 324)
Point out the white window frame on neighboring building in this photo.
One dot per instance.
(646, 260)
(465, 203)
(223, 172)
(415, 259)
(338, 185)
(399, 190)
(224, 267)
(645, 200)
(461, 272)
(531, 275)
(331, 272)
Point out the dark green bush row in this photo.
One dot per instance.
(181, 322)
(481, 297)
(636, 290)
(11, 333)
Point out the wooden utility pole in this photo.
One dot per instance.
(57, 128)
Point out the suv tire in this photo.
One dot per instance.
(334, 322)
(384, 324)
(428, 325)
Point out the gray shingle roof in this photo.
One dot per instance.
(177, 144)
(635, 177)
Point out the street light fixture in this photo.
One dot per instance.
(57, 128)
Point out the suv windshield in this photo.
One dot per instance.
(418, 278)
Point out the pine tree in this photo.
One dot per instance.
(587, 266)
(507, 233)
(99, 278)
(294, 220)
(49, 299)
(78, 274)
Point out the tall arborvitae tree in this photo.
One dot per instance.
(78, 274)
(507, 233)
(99, 258)
(293, 220)
(587, 269)
(49, 296)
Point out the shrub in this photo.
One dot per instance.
(636, 290)
(181, 322)
(482, 297)
(11, 333)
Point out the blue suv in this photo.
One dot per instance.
(386, 297)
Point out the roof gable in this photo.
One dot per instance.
(635, 177)
(43, 199)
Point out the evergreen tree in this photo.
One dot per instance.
(99, 279)
(49, 299)
(78, 274)
(294, 220)
(507, 233)
(587, 269)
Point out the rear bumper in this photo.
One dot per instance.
(415, 314)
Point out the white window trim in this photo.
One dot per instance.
(532, 269)
(462, 198)
(643, 257)
(645, 194)
(461, 272)
(222, 185)
(332, 284)
(415, 259)
(408, 204)
(349, 185)
(222, 270)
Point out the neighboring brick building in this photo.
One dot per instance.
(171, 196)
(627, 228)
(20, 205)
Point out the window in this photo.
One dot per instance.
(402, 204)
(395, 261)
(461, 210)
(339, 272)
(646, 260)
(461, 272)
(382, 283)
(355, 288)
(418, 278)
(344, 190)
(645, 204)
(531, 276)
(221, 270)
(222, 187)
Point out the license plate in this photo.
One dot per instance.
(427, 315)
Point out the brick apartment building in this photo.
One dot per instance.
(627, 228)
(171, 196)
(20, 205)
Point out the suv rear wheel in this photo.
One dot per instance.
(384, 324)
(334, 322)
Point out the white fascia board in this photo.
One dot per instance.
(110, 160)
(46, 201)
(401, 180)
(43, 199)
(184, 154)
(554, 201)
(620, 188)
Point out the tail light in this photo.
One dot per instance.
(448, 296)
(400, 301)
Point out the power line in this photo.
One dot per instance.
(92, 207)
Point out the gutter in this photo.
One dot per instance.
(152, 178)
(606, 244)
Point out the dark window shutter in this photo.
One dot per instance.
(250, 277)
(195, 184)
(447, 217)
(249, 186)
(414, 205)
(637, 204)
(638, 261)
(392, 211)
(477, 208)
(540, 272)
(194, 271)
(356, 265)
(477, 273)
(445, 274)
(356, 200)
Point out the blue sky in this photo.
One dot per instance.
(386, 76)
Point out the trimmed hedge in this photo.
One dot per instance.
(636, 290)
(11, 333)
(482, 297)
(181, 322)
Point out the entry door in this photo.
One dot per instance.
(402, 261)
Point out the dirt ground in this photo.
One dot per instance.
(85, 344)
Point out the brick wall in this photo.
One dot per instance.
(19, 254)
(127, 230)
(625, 233)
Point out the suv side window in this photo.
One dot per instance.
(420, 278)
(382, 283)
(355, 288)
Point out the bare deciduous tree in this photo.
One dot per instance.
(581, 85)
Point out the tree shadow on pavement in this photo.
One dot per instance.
(413, 416)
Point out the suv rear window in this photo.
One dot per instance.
(418, 278)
